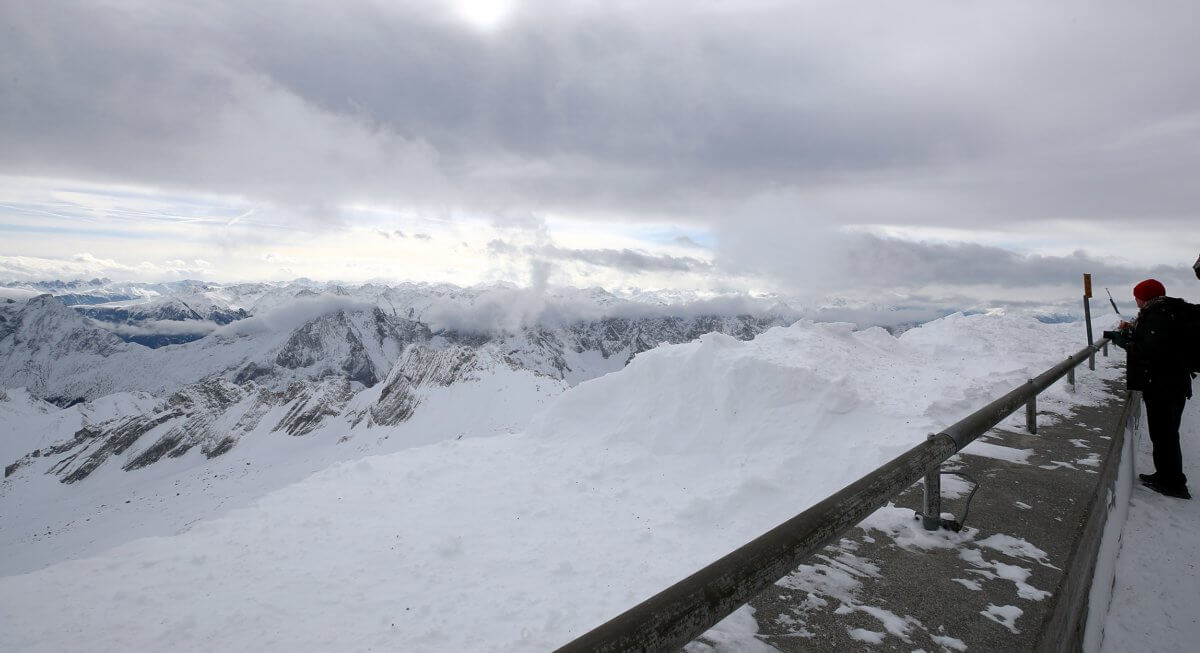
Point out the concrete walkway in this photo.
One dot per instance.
(889, 585)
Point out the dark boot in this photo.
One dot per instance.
(1178, 491)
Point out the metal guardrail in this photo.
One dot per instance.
(677, 615)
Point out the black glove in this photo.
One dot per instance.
(1119, 338)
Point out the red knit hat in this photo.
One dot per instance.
(1149, 289)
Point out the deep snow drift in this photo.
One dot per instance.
(623, 485)
(43, 521)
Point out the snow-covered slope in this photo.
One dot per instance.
(330, 367)
(31, 424)
(623, 485)
(134, 466)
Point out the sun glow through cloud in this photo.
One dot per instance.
(485, 15)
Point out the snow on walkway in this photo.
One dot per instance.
(624, 485)
(1156, 594)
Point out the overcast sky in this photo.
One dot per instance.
(808, 148)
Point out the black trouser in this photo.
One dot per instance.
(1163, 414)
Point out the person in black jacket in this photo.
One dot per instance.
(1155, 367)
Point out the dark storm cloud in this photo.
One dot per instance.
(1023, 108)
(972, 115)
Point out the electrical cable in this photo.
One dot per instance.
(958, 524)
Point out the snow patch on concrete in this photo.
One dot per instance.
(1005, 615)
(999, 452)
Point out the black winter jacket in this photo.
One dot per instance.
(1155, 363)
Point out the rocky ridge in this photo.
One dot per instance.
(345, 369)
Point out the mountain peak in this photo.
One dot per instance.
(46, 320)
(47, 304)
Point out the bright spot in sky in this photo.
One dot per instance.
(484, 14)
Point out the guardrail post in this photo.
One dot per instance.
(1071, 375)
(1092, 360)
(931, 516)
(1031, 412)
(1106, 349)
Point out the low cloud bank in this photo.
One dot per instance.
(510, 309)
(294, 314)
(18, 294)
(821, 261)
(161, 327)
(889, 318)
(626, 260)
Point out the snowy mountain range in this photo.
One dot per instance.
(117, 389)
(328, 354)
